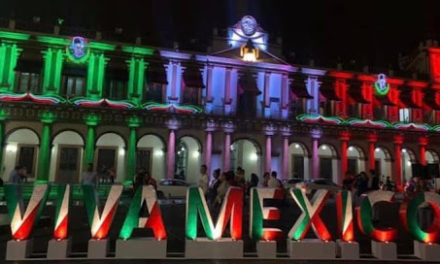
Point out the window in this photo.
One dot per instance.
(27, 82)
(380, 113)
(68, 164)
(26, 157)
(154, 92)
(352, 165)
(106, 160)
(116, 89)
(143, 160)
(404, 115)
(181, 161)
(297, 166)
(73, 86)
(191, 95)
(325, 168)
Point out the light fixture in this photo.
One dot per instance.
(121, 152)
(232, 147)
(196, 154)
(404, 150)
(11, 148)
(377, 149)
(248, 52)
(296, 145)
(350, 148)
(253, 156)
(158, 153)
(408, 163)
(324, 147)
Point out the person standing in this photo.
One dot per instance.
(204, 181)
(17, 174)
(273, 181)
(89, 177)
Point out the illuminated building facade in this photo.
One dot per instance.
(67, 101)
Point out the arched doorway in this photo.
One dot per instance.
(407, 159)
(150, 156)
(355, 159)
(21, 148)
(328, 166)
(65, 161)
(383, 162)
(247, 155)
(110, 155)
(188, 159)
(431, 157)
(298, 161)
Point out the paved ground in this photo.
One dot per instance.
(174, 217)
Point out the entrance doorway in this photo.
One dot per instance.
(68, 164)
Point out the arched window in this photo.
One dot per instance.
(181, 161)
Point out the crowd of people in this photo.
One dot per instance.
(215, 190)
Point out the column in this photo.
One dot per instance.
(53, 65)
(423, 141)
(315, 135)
(228, 128)
(209, 83)
(136, 67)
(133, 123)
(173, 84)
(344, 137)
(9, 53)
(47, 118)
(398, 140)
(285, 98)
(172, 125)
(3, 116)
(228, 85)
(91, 121)
(95, 75)
(372, 139)
(269, 130)
(286, 133)
(210, 127)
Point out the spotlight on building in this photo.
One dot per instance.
(350, 148)
(377, 149)
(324, 147)
(404, 150)
(296, 145)
(253, 157)
(196, 154)
(121, 152)
(158, 153)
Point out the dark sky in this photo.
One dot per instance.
(369, 32)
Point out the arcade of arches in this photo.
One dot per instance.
(298, 158)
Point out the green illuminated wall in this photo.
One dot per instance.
(136, 79)
(91, 121)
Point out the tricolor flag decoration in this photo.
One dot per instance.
(145, 195)
(100, 222)
(62, 211)
(344, 211)
(364, 216)
(310, 214)
(259, 213)
(231, 209)
(408, 216)
(22, 221)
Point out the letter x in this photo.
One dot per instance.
(310, 214)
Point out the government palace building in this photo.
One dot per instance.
(70, 100)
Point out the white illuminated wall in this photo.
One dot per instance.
(70, 138)
(20, 136)
(158, 155)
(194, 160)
(114, 140)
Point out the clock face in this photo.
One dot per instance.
(248, 25)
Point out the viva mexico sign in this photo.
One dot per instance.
(100, 218)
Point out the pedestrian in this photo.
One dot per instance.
(150, 180)
(375, 182)
(139, 180)
(204, 181)
(347, 183)
(212, 191)
(266, 178)
(222, 188)
(111, 175)
(17, 174)
(273, 181)
(88, 177)
(253, 183)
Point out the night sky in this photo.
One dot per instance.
(353, 32)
